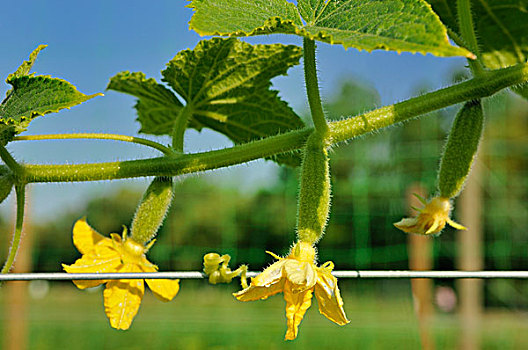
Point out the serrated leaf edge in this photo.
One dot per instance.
(270, 25)
(175, 63)
(34, 114)
(26, 66)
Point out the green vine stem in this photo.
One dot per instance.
(15, 244)
(178, 132)
(168, 166)
(312, 87)
(125, 138)
(10, 161)
(467, 32)
(482, 86)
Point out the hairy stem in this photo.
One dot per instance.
(15, 244)
(115, 137)
(178, 132)
(312, 87)
(10, 161)
(467, 32)
(482, 86)
(169, 166)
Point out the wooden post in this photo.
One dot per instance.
(470, 259)
(16, 296)
(420, 259)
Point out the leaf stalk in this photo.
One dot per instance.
(178, 132)
(467, 32)
(15, 244)
(100, 136)
(10, 161)
(312, 87)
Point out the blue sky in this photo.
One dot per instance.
(90, 41)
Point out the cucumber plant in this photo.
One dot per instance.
(224, 84)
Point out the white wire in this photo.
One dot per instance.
(60, 276)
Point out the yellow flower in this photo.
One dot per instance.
(431, 219)
(298, 277)
(122, 298)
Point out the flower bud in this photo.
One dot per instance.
(217, 268)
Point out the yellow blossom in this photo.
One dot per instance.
(122, 298)
(431, 219)
(298, 277)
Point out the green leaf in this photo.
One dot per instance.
(6, 134)
(310, 10)
(25, 67)
(397, 25)
(6, 182)
(501, 27)
(226, 84)
(33, 96)
(244, 17)
(157, 106)
(447, 11)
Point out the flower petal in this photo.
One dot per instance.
(408, 225)
(85, 237)
(456, 225)
(329, 297)
(296, 306)
(100, 261)
(267, 283)
(436, 226)
(122, 299)
(164, 290)
(431, 220)
(269, 276)
(105, 261)
(301, 274)
(253, 292)
(83, 284)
